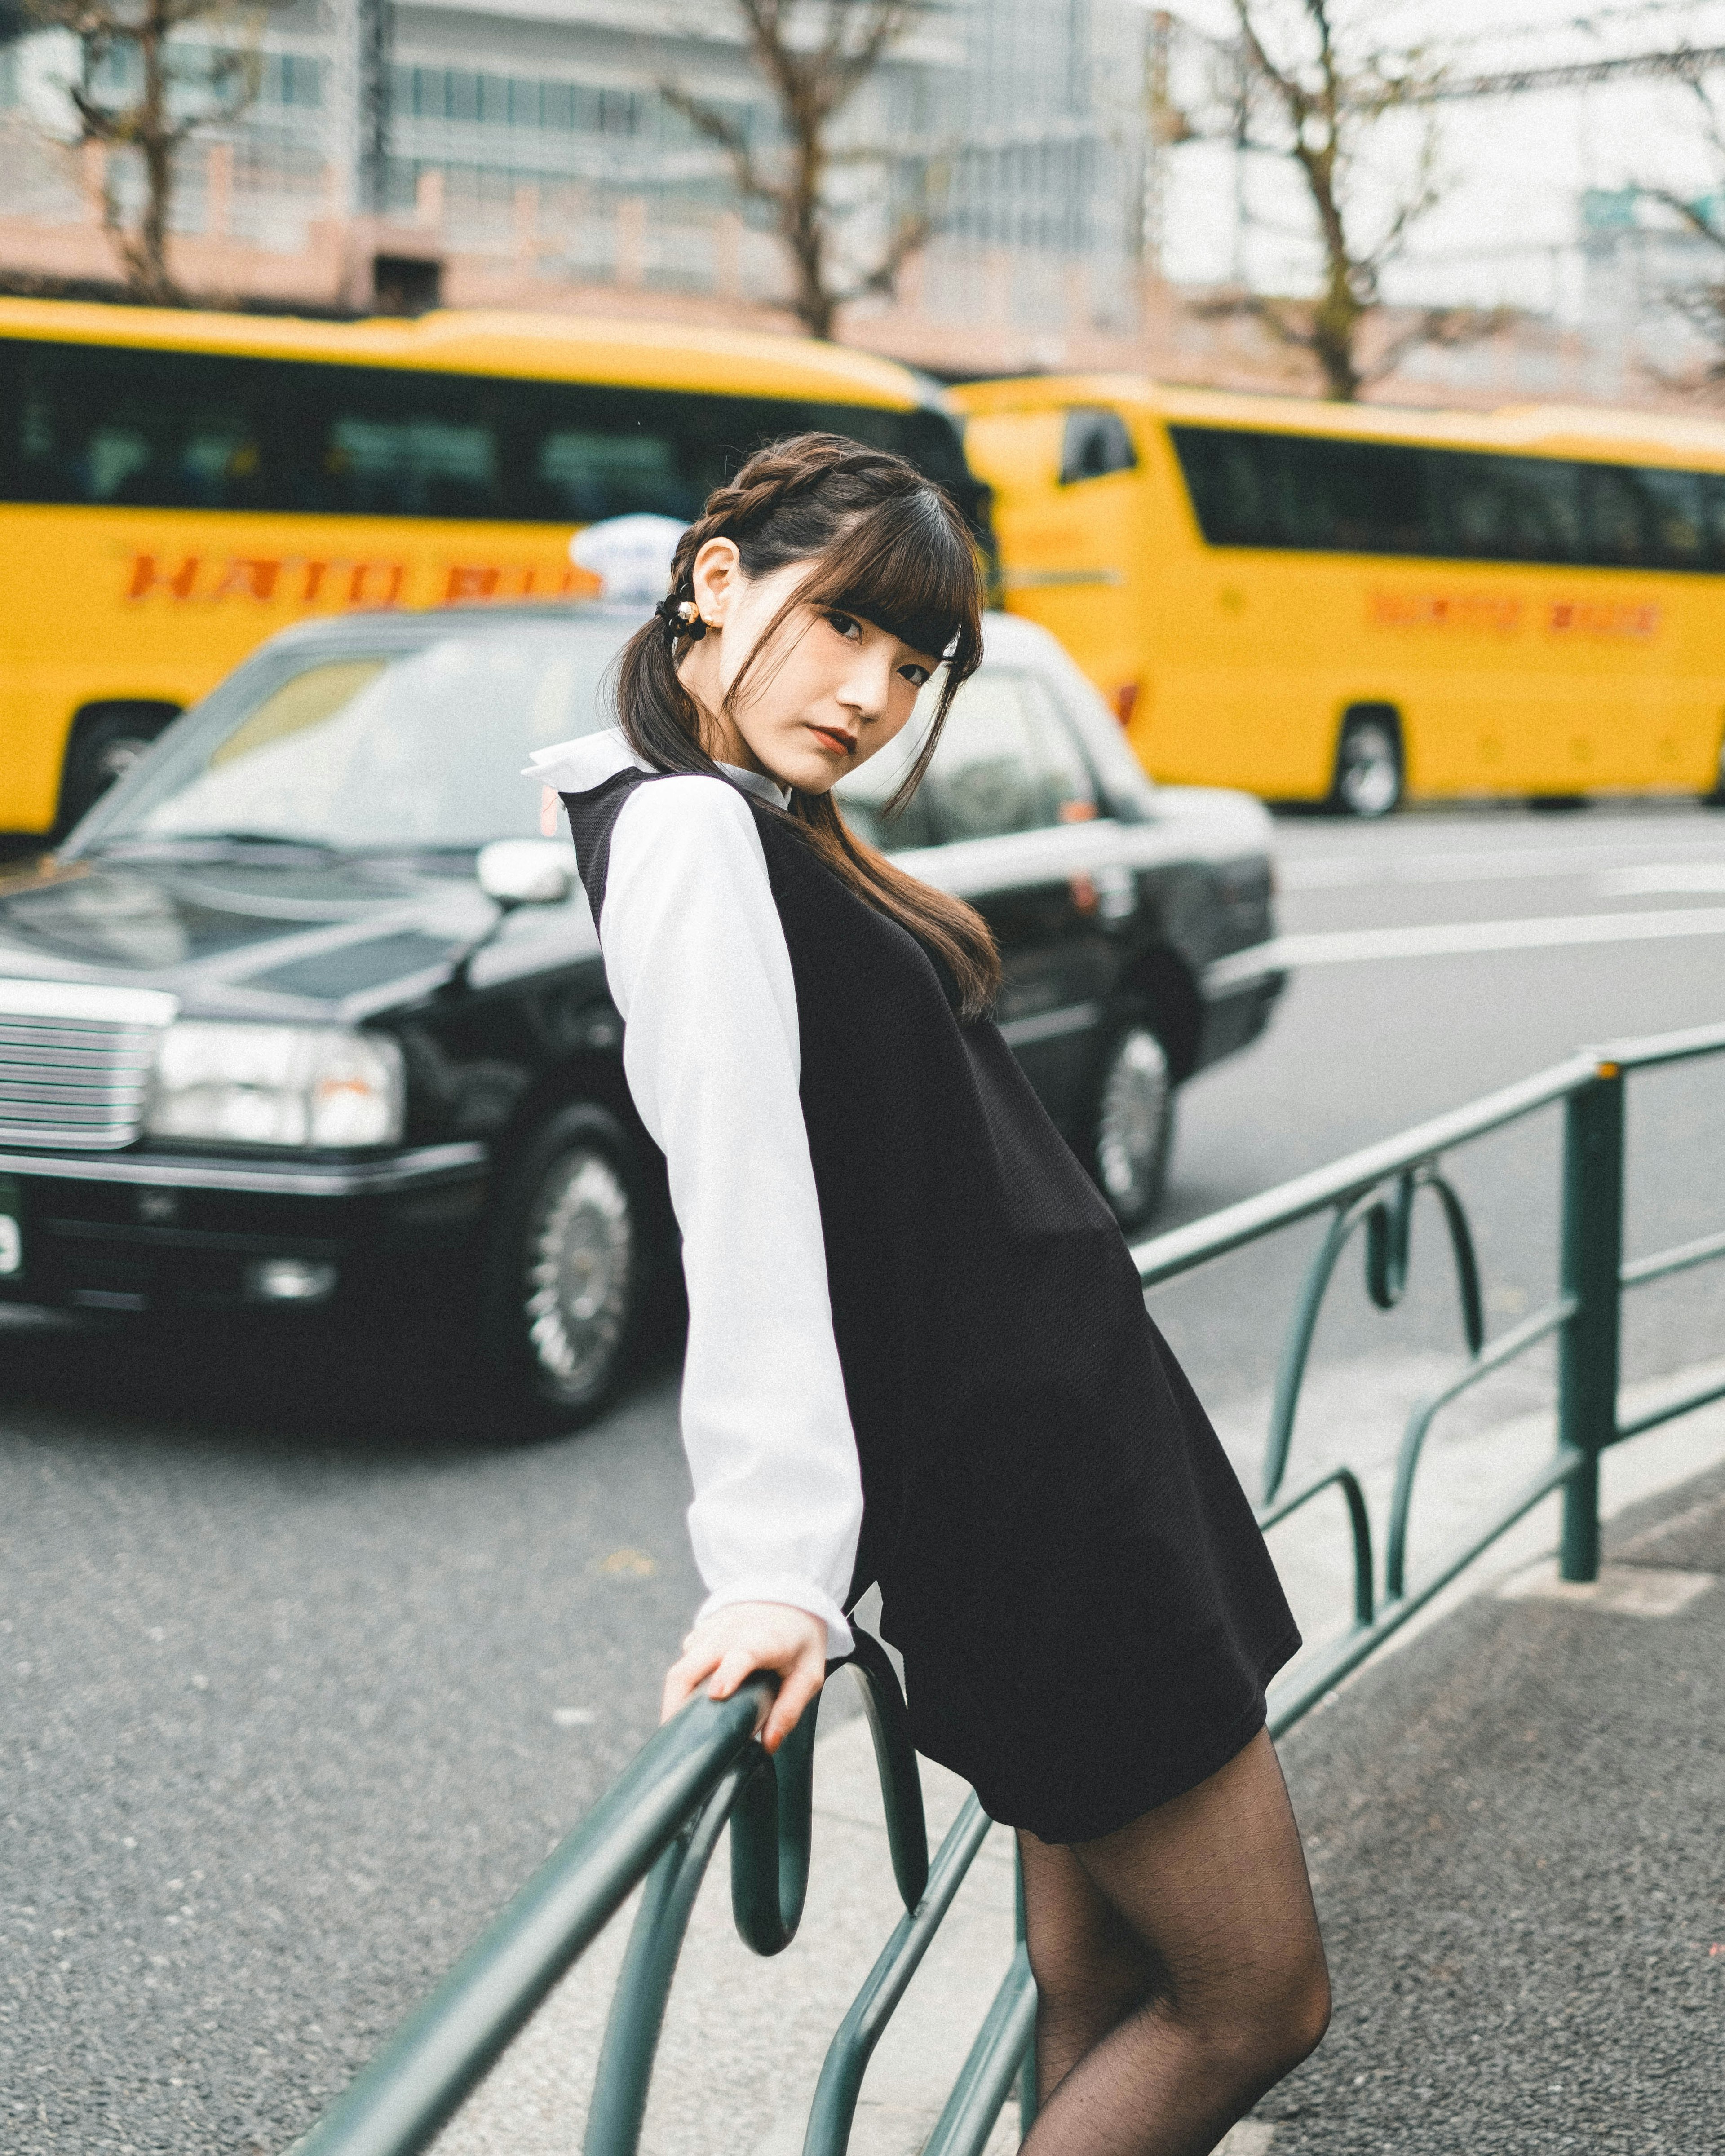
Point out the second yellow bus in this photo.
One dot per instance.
(1351, 604)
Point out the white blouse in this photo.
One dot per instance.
(697, 963)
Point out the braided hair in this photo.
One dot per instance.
(883, 542)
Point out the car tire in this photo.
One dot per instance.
(107, 740)
(569, 1270)
(1132, 1124)
(1369, 777)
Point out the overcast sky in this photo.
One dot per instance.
(1517, 167)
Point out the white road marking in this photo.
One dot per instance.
(1661, 876)
(1509, 863)
(573, 1717)
(1626, 1590)
(1452, 939)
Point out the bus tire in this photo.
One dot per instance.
(1369, 774)
(568, 1272)
(106, 740)
(1131, 1132)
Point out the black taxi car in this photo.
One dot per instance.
(304, 1016)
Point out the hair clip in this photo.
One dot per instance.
(681, 618)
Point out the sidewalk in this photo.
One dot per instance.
(1517, 1835)
(1516, 1824)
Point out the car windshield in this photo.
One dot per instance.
(418, 750)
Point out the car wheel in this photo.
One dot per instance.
(107, 740)
(1132, 1125)
(569, 1270)
(1369, 766)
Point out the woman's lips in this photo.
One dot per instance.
(842, 743)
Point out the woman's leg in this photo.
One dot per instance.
(1179, 1968)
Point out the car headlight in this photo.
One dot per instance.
(276, 1085)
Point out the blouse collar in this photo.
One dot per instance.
(572, 767)
(759, 784)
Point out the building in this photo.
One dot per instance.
(522, 152)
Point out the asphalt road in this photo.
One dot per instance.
(303, 1673)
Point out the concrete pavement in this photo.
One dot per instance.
(1517, 1831)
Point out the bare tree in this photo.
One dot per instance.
(153, 119)
(815, 56)
(1702, 301)
(1323, 101)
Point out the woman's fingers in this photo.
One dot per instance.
(795, 1691)
(683, 1678)
(733, 1642)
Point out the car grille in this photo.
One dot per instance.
(76, 1062)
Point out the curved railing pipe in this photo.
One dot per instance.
(417, 2081)
(847, 2055)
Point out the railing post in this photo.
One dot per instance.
(1029, 2096)
(1593, 1266)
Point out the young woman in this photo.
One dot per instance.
(918, 1351)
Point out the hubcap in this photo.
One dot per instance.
(1369, 781)
(580, 1245)
(1131, 1122)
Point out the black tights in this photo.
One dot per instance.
(1178, 1967)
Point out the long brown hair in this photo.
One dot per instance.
(883, 542)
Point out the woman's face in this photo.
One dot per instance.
(833, 693)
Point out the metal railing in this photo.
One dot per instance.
(661, 1821)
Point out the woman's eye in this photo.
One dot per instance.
(846, 624)
(917, 676)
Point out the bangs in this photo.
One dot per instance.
(910, 569)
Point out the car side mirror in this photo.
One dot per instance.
(516, 872)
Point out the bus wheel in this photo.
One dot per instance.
(569, 1270)
(1131, 1132)
(1369, 765)
(107, 740)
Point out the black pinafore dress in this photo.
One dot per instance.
(1086, 1610)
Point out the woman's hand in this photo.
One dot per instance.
(744, 1636)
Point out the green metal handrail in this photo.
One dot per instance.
(661, 1822)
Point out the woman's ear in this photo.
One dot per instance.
(715, 573)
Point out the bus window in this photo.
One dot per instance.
(153, 430)
(591, 475)
(1304, 492)
(1301, 490)
(1673, 500)
(1094, 443)
(413, 466)
(1499, 509)
(1615, 519)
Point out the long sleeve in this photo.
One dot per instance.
(697, 964)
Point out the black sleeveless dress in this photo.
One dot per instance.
(1086, 1609)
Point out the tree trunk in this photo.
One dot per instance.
(805, 236)
(1335, 330)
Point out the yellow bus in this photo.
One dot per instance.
(1348, 604)
(174, 486)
